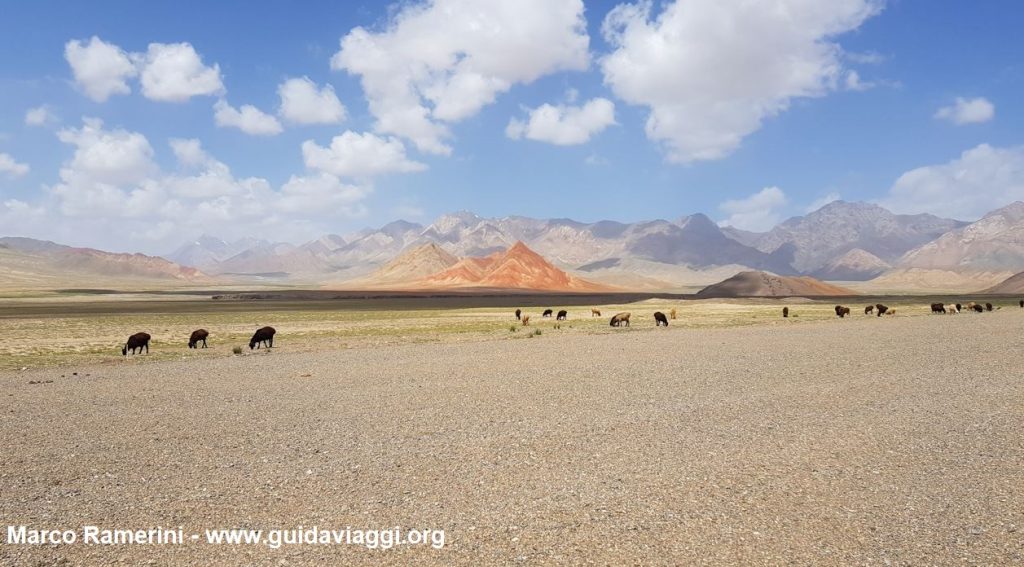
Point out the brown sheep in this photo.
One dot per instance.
(672, 313)
(881, 309)
(519, 312)
(978, 309)
(869, 309)
(988, 307)
(842, 311)
(620, 319)
(785, 311)
(659, 319)
(263, 335)
(198, 336)
(595, 312)
(938, 308)
(526, 320)
(137, 341)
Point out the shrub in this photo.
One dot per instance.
(237, 350)
(512, 329)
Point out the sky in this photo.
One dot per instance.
(137, 126)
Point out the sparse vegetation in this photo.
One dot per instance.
(237, 350)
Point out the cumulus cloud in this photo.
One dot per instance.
(101, 69)
(303, 103)
(981, 179)
(168, 72)
(441, 61)
(174, 72)
(564, 125)
(359, 155)
(40, 116)
(11, 167)
(248, 119)
(967, 111)
(111, 190)
(758, 212)
(712, 71)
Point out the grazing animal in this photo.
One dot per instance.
(620, 319)
(595, 312)
(519, 312)
(971, 306)
(842, 311)
(546, 313)
(785, 312)
(988, 307)
(526, 320)
(672, 313)
(881, 309)
(938, 308)
(137, 341)
(891, 311)
(659, 319)
(978, 309)
(1022, 304)
(263, 335)
(869, 309)
(959, 308)
(562, 315)
(198, 336)
(951, 309)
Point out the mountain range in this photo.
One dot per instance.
(861, 244)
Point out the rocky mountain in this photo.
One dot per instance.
(207, 252)
(994, 242)
(412, 265)
(518, 267)
(27, 259)
(1013, 285)
(761, 284)
(811, 242)
(855, 265)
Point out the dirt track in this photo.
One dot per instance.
(854, 441)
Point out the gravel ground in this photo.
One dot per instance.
(858, 441)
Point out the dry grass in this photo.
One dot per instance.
(86, 329)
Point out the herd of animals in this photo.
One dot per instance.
(264, 336)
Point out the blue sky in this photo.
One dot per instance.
(758, 113)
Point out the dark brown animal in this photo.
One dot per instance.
(1022, 304)
(785, 311)
(519, 312)
(938, 308)
(842, 311)
(659, 319)
(198, 336)
(881, 309)
(959, 307)
(546, 313)
(263, 336)
(137, 341)
(869, 309)
(620, 319)
(562, 315)
(988, 307)
(978, 309)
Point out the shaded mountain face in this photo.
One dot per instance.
(994, 242)
(413, 264)
(761, 284)
(820, 237)
(1013, 285)
(51, 259)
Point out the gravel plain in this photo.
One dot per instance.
(859, 441)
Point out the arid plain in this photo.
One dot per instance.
(733, 436)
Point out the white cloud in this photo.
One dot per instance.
(981, 179)
(443, 60)
(758, 212)
(712, 71)
(101, 69)
(967, 111)
(11, 167)
(564, 125)
(248, 119)
(303, 103)
(40, 116)
(822, 201)
(111, 191)
(174, 72)
(359, 155)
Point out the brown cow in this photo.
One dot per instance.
(620, 319)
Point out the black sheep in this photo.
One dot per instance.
(198, 336)
(137, 341)
(546, 313)
(519, 313)
(264, 335)
(562, 315)
(660, 319)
